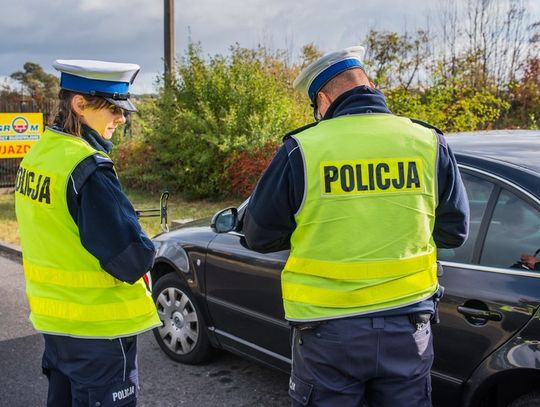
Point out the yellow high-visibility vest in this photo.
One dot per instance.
(363, 239)
(68, 291)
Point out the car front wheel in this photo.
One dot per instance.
(183, 335)
(528, 400)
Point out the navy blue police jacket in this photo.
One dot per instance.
(107, 222)
(268, 221)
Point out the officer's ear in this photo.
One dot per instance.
(323, 102)
(78, 104)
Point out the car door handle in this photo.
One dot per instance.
(479, 313)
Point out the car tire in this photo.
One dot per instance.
(183, 336)
(528, 400)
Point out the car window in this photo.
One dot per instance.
(478, 192)
(514, 230)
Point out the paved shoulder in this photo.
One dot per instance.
(227, 380)
(21, 381)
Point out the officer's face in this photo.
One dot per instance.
(104, 120)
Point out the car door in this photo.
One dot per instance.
(243, 291)
(489, 295)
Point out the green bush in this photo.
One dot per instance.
(450, 104)
(133, 162)
(219, 108)
(134, 153)
(213, 128)
(243, 169)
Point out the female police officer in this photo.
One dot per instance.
(84, 251)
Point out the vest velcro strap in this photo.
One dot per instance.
(72, 278)
(414, 285)
(90, 312)
(361, 270)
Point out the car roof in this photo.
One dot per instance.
(520, 148)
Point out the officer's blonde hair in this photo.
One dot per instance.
(66, 118)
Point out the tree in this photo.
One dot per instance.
(8, 95)
(41, 86)
(489, 34)
(397, 59)
(525, 98)
(310, 53)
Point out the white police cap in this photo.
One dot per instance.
(318, 73)
(109, 80)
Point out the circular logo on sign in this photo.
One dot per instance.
(19, 124)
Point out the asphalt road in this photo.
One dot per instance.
(225, 381)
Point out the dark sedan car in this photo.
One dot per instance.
(213, 292)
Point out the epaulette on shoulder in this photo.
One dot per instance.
(87, 167)
(102, 161)
(299, 130)
(429, 126)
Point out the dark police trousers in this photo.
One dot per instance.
(91, 372)
(383, 361)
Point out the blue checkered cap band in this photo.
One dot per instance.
(319, 72)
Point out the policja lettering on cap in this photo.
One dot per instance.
(109, 80)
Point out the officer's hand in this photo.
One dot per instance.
(529, 261)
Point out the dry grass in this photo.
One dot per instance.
(179, 209)
(9, 231)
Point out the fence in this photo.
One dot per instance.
(9, 166)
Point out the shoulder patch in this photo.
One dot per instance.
(429, 126)
(102, 161)
(299, 130)
(87, 167)
(290, 144)
(442, 140)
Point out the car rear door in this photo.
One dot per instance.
(489, 295)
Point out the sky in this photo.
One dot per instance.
(132, 30)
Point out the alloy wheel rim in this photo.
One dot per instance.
(180, 330)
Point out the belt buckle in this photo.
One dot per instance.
(307, 326)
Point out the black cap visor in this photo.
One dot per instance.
(123, 104)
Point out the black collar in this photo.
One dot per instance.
(360, 100)
(93, 138)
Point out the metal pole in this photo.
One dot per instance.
(169, 37)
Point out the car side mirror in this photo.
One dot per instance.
(225, 220)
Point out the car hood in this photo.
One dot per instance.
(185, 230)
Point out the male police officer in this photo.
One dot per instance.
(84, 251)
(362, 198)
